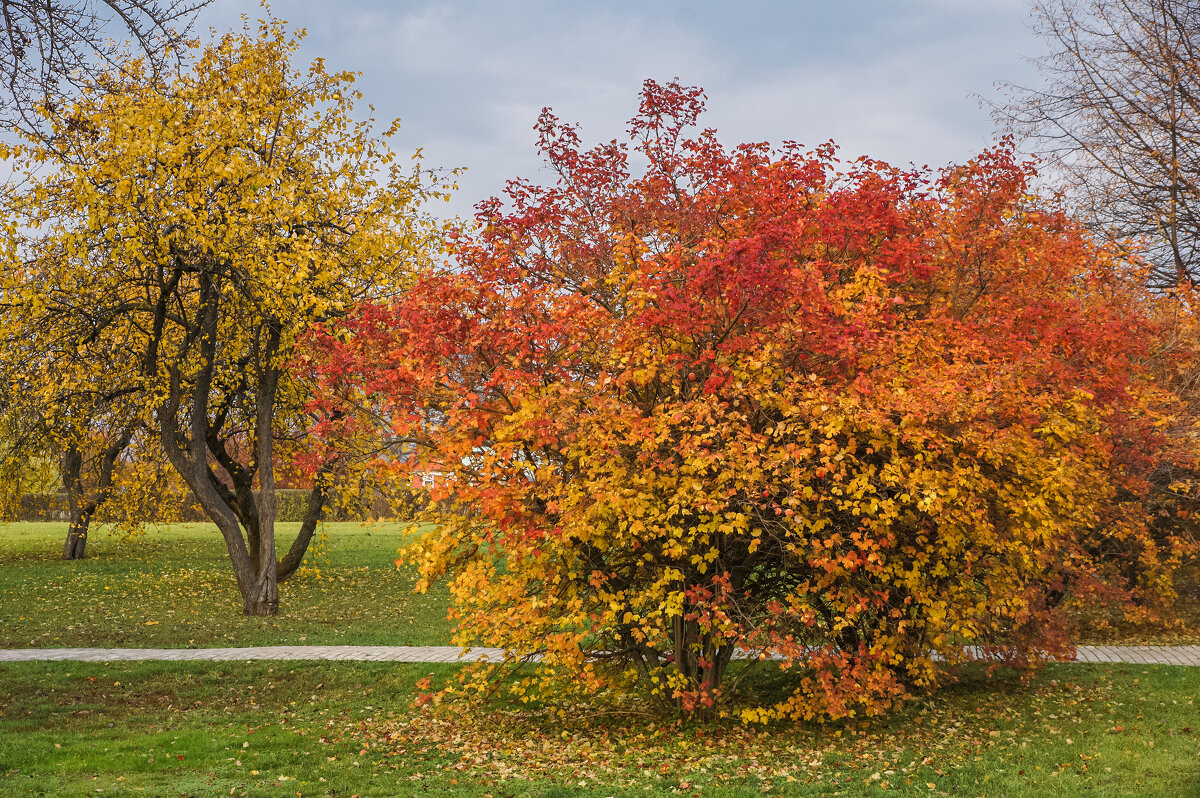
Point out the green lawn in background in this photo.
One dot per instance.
(174, 587)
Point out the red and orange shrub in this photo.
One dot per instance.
(757, 401)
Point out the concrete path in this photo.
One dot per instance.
(1140, 655)
(367, 653)
(1134, 655)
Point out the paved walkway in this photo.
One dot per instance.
(368, 653)
(1140, 655)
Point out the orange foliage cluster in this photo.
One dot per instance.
(755, 403)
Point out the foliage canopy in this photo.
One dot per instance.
(750, 402)
(171, 242)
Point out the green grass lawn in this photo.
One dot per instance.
(344, 728)
(174, 587)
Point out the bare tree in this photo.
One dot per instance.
(1118, 112)
(50, 47)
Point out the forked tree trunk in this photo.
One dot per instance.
(700, 659)
(75, 547)
(197, 437)
(246, 522)
(83, 504)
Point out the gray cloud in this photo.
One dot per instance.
(881, 77)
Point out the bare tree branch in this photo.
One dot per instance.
(51, 47)
(1118, 115)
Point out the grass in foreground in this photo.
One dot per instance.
(342, 729)
(174, 587)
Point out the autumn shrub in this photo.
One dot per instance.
(857, 423)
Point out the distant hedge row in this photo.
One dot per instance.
(289, 506)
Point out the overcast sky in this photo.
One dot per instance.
(893, 79)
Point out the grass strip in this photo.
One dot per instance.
(342, 729)
(173, 588)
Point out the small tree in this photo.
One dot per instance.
(77, 427)
(177, 239)
(746, 402)
(48, 51)
(88, 474)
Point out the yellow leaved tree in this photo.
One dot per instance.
(168, 243)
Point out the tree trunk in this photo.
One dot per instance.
(699, 659)
(71, 467)
(82, 505)
(256, 580)
(260, 597)
(264, 599)
(75, 546)
(312, 516)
